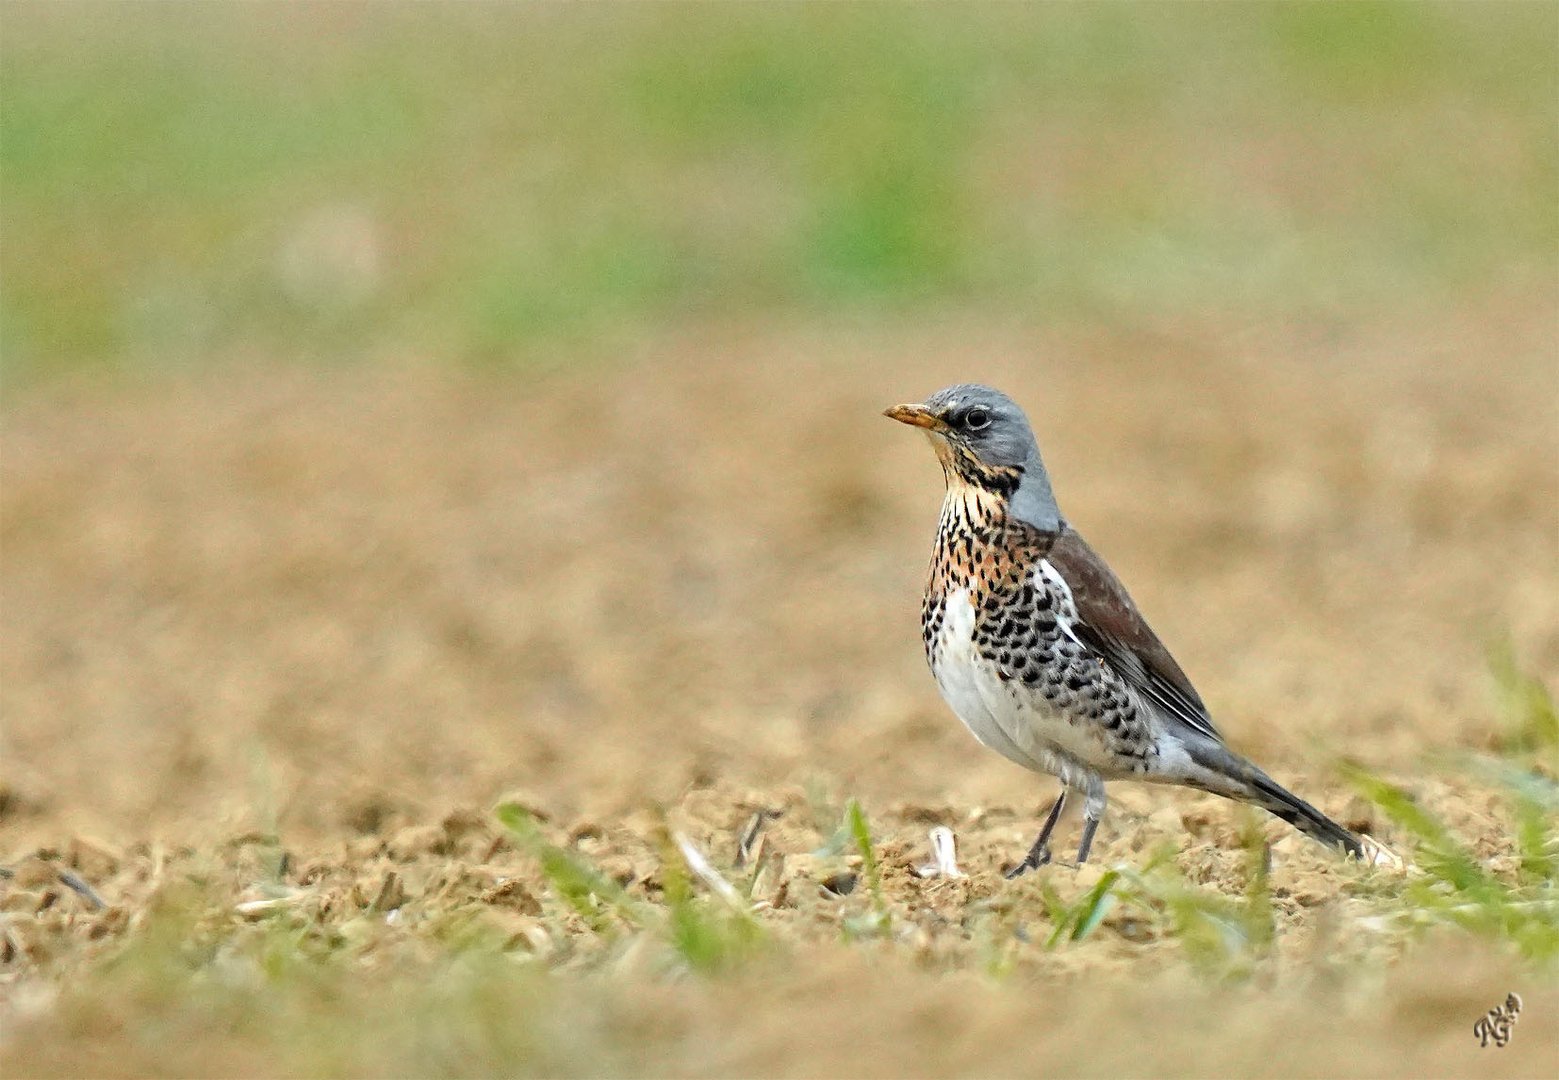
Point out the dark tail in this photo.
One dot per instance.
(1304, 817)
(1243, 781)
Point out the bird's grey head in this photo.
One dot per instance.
(983, 438)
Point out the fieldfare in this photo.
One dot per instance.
(1037, 647)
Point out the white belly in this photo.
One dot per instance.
(962, 674)
(1005, 715)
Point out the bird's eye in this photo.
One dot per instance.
(977, 419)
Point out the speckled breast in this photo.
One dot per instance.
(994, 623)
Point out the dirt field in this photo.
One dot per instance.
(286, 637)
(415, 410)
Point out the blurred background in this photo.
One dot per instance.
(408, 403)
(329, 183)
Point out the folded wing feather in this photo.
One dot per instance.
(1110, 626)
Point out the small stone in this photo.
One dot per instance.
(584, 830)
(841, 884)
(391, 895)
(111, 921)
(93, 858)
(514, 895)
(362, 849)
(1133, 929)
(518, 931)
(1359, 815)
(258, 909)
(34, 872)
(459, 824)
(28, 939)
(415, 840)
(924, 815)
(24, 900)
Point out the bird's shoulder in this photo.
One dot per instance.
(1109, 625)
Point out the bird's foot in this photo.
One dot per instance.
(1034, 861)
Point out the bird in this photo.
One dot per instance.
(1038, 648)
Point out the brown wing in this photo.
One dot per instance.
(1111, 626)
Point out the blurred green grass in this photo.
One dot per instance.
(182, 183)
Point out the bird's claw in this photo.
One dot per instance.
(1034, 861)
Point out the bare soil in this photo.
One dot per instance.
(343, 613)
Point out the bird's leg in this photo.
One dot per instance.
(1039, 853)
(1093, 810)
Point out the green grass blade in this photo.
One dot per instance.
(860, 832)
(576, 883)
(1096, 904)
(1440, 852)
(1531, 717)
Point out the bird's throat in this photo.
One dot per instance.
(973, 503)
(996, 492)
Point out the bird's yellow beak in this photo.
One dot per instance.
(916, 416)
